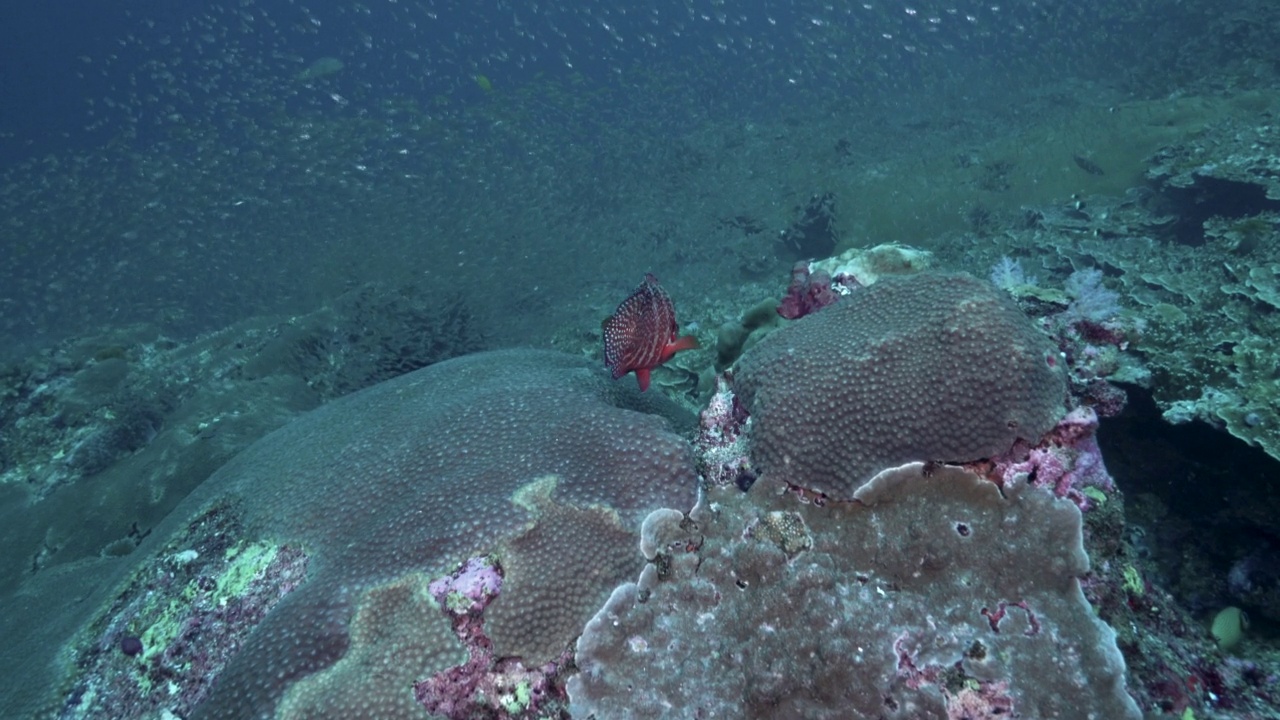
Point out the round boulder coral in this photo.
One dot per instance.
(917, 368)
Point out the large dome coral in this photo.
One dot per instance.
(533, 458)
(924, 367)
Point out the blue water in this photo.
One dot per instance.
(171, 165)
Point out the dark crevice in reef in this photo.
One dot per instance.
(1195, 469)
(1213, 197)
(1202, 508)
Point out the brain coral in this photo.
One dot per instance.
(533, 456)
(921, 367)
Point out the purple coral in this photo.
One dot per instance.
(485, 686)
(1008, 274)
(469, 589)
(1066, 461)
(1091, 301)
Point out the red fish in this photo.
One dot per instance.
(641, 333)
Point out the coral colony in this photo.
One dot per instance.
(885, 513)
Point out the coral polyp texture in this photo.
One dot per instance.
(935, 597)
(532, 458)
(931, 366)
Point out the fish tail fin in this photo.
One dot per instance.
(688, 342)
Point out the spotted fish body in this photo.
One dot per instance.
(642, 333)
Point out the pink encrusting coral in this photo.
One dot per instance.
(1066, 461)
(469, 589)
(485, 686)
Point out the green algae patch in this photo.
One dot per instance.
(190, 604)
(1133, 582)
(518, 701)
(245, 564)
(1095, 495)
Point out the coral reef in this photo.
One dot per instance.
(180, 621)
(1191, 257)
(531, 456)
(933, 596)
(486, 686)
(905, 369)
(1185, 274)
(1233, 158)
(1094, 332)
(1196, 255)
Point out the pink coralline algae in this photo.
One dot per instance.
(1092, 361)
(1067, 460)
(808, 292)
(485, 686)
(983, 699)
(966, 698)
(469, 589)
